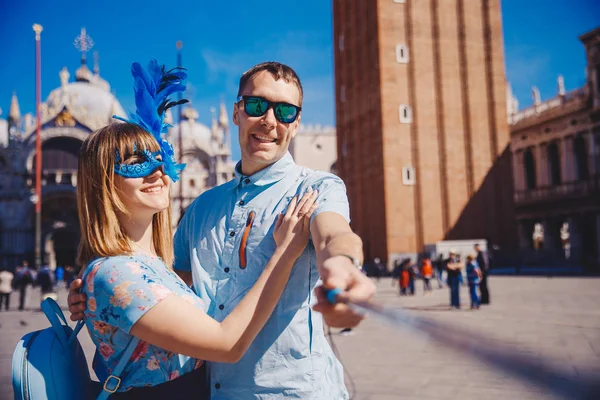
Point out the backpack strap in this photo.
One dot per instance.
(57, 320)
(112, 383)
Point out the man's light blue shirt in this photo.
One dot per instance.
(290, 357)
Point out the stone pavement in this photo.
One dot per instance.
(543, 335)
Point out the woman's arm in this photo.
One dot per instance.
(176, 325)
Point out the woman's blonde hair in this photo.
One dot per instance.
(98, 200)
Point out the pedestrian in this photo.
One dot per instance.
(59, 275)
(45, 282)
(6, 285)
(426, 274)
(439, 267)
(378, 267)
(23, 278)
(404, 277)
(484, 262)
(473, 278)
(225, 239)
(453, 268)
(412, 276)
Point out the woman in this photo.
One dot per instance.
(124, 213)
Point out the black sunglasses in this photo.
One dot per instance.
(256, 106)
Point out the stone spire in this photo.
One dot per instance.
(223, 118)
(561, 85)
(537, 99)
(14, 114)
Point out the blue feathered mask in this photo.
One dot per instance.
(152, 88)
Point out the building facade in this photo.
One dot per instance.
(69, 115)
(423, 139)
(556, 163)
(314, 146)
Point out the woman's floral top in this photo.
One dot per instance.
(120, 290)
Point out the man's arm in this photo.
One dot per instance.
(334, 240)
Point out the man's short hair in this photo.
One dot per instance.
(277, 70)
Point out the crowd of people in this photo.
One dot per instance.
(448, 272)
(23, 277)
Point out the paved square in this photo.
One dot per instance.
(553, 324)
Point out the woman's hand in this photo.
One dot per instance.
(292, 230)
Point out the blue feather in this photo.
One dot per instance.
(152, 88)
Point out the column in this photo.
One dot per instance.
(524, 235)
(567, 159)
(518, 170)
(541, 165)
(598, 236)
(550, 235)
(592, 141)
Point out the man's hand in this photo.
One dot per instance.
(339, 272)
(76, 300)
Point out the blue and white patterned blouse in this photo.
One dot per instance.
(120, 290)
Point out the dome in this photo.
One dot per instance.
(89, 104)
(195, 135)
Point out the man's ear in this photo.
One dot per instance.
(297, 123)
(236, 118)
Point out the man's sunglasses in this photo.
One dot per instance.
(256, 106)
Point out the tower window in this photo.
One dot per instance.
(192, 183)
(343, 93)
(402, 53)
(341, 42)
(405, 114)
(408, 176)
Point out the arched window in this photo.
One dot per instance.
(581, 160)
(554, 164)
(529, 164)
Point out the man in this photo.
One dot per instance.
(224, 240)
(483, 260)
(453, 267)
(6, 279)
(23, 278)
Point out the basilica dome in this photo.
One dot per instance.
(88, 100)
(195, 135)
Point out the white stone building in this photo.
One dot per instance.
(71, 112)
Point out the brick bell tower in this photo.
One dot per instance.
(421, 122)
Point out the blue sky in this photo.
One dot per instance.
(222, 39)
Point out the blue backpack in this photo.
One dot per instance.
(50, 364)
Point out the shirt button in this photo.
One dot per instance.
(246, 180)
(221, 307)
(242, 202)
(232, 233)
(226, 269)
(217, 385)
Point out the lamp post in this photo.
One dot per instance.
(38, 149)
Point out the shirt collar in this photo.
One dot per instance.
(271, 174)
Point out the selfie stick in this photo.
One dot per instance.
(505, 359)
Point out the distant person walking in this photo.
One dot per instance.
(427, 274)
(23, 278)
(46, 283)
(404, 277)
(484, 262)
(473, 278)
(439, 266)
(6, 280)
(453, 267)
